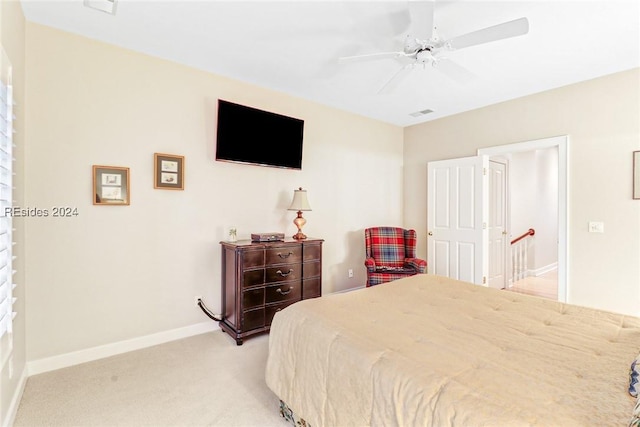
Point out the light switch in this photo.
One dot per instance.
(596, 227)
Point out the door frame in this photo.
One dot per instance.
(562, 144)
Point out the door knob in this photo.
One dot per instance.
(430, 233)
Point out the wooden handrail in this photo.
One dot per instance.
(531, 232)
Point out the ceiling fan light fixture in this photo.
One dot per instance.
(107, 6)
(421, 113)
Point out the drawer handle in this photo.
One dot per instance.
(280, 291)
(285, 256)
(285, 274)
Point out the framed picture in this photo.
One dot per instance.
(110, 185)
(636, 175)
(168, 171)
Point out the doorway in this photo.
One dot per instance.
(548, 201)
(526, 259)
(458, 189)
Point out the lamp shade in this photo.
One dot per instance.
(299, 202)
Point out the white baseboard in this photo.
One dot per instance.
(347, 290)
(12, 411)
(543, 270)
(537, 272)
(90, 354)
(47, 364)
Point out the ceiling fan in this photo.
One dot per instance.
(423, 46)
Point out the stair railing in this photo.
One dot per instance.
(520, 255)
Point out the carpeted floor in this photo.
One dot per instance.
(205, 380)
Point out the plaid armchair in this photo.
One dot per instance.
(391, 254)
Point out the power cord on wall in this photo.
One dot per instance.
(206, 311)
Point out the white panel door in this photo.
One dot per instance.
(497, 230)
(457, 219)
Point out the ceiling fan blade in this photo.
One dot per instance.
(395, 80)
(421, 19)
(505, 30)
(454, 71)
(371, 57)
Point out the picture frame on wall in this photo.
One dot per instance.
(636, 175)
(168, 171)
(111, 185)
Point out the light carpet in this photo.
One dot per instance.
(204, 380)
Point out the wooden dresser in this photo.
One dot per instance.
(260, 279)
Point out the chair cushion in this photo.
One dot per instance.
(378, 278)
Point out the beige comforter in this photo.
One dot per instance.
(433, 351)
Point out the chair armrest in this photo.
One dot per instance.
(370, 263)
(419, 264)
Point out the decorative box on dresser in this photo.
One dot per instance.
(260, 279)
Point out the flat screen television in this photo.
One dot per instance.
(253, 136)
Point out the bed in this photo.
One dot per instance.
(433, 351)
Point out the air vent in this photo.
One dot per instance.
(421, 113)
(108, 6)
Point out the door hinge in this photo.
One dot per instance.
(484, 171)
(484, 225)
(484, 280)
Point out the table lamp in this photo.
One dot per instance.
(299, 203)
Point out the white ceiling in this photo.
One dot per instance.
(293, 46)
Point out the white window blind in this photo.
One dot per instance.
(6, 199)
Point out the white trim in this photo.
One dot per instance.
(12, 411)
(543, 270)
(90, 354)
(47, 364)
(347, 290)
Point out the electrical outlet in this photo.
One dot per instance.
(350, 273)
(197, 298)
(596, 227)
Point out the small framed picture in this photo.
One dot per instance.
(168, 171)
(110, 185)
(636, 175)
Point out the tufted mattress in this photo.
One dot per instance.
(433, 351)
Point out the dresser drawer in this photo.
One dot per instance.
(284, 255)
(282, 292)
(311, 288)
(252, 319)
(253, 277)
(253, 298)
(312, 252)
(312, 269)
(252, 258)
(271, 311)
(284, 273)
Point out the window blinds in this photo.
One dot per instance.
(6, 203)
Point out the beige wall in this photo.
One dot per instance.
(602, 119)
(12, 39)
(115, 273)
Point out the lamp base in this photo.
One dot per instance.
(299, 221)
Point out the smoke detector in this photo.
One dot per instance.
(108, 6)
